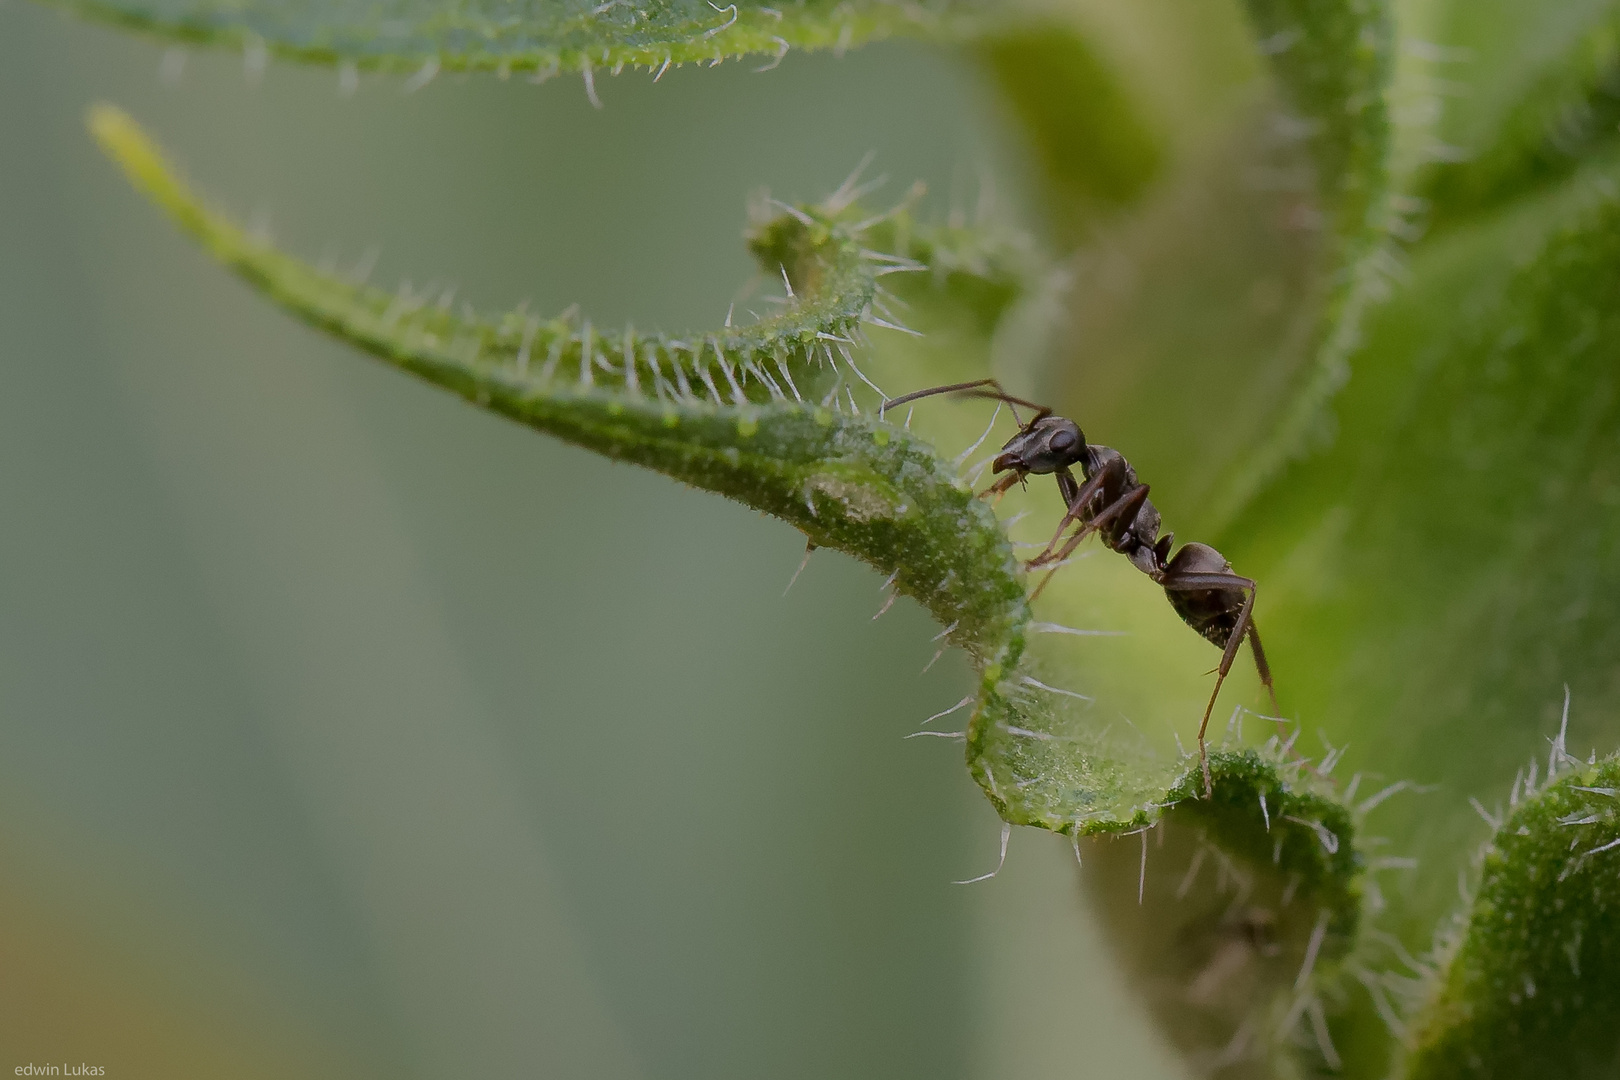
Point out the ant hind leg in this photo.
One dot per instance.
(1263, 668)
(1195, 582)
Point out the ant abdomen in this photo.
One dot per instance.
(1213, 612)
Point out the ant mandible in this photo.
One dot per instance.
(1197, 580)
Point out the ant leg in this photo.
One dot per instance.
(1002, 486)
(1263, 668)
(1131, 501)
(1067, 485)
(1078, 500)
(1199, 581)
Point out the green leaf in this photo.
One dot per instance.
(1214, 317)
(1332, 63)
(727, 410)
(1434, 578)
(1097, 151)
(767, 414)
(1530, 983)
(522, 35)
(1532, 91)
(1227, 936)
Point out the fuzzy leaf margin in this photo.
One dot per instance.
(543, 36)
(1332, 61)
(1531, 982)
(1560, 113)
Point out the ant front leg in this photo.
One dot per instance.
(1003, 485)
(1129, 503)
(1077, 498)
(1200, 582)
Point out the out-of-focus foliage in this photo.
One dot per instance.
(1443, 567)
(1437, 565)
(1446, 565)
(1332, 64)
(1535, 90)
(1097, 152)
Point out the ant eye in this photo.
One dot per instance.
(1062, 442)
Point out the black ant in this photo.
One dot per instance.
(1197, 580)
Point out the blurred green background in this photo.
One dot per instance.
(345, 731)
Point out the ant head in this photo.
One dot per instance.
(1045, 446)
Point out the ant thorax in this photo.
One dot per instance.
(1134, 537)
(1097, 458)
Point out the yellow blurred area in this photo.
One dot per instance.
(76, 990)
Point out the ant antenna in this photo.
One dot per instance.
(976, 389)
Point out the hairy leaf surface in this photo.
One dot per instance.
(1530, 985)
(1449, 564)
(1332, 63)
(1528, 92)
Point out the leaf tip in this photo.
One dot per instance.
(112, 127)
(128, 144)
